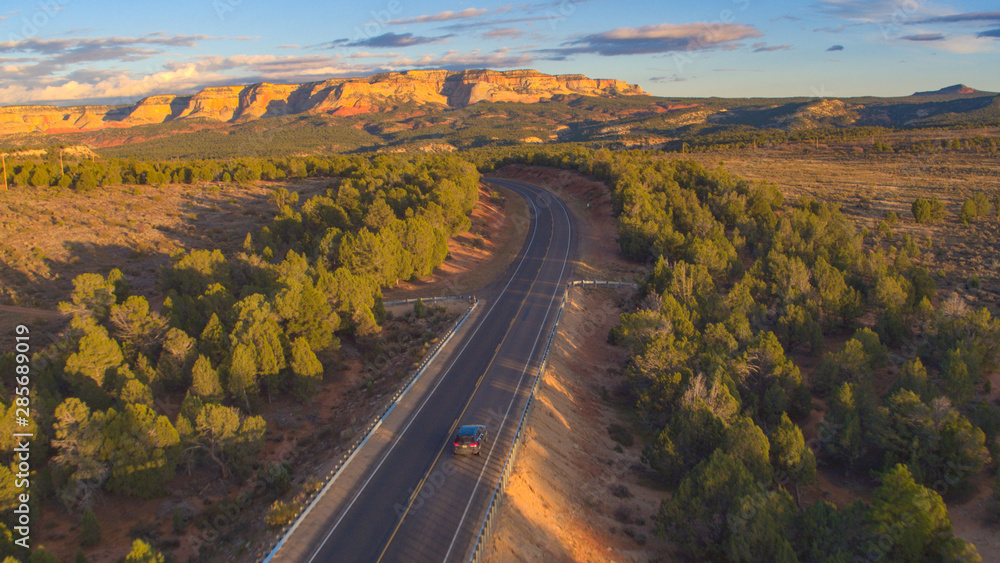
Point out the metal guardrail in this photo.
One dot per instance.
(487, 526)
(429, 300)
(372, 427)
(601, 283)
(486, 529)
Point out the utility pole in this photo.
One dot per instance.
(3, 158)
(61, 169)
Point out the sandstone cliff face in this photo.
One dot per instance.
(347, 96)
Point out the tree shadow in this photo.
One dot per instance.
(209, 217)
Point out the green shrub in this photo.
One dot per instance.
(277, 476)
(282, 513)
(620, 434)
(90, 529)
(420, 309)
(179, 521)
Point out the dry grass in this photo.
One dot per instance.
(49, 236)
(869, 186)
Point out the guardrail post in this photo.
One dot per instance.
(276, 545)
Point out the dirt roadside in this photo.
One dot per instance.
(475, 258)
(575, 495)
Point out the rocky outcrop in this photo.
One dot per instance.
(955, 90)
(819, 113)
(345, 96)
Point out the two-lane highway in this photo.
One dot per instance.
(406, 496)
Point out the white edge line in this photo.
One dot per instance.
(371, 433)
(520, 380)
(427, 398)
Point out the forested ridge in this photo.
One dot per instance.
(235, 330)
(739, 280)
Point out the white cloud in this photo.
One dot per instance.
(179, 78)
(367, 55)
(964, 45)
(456, 60)
(443, 16)
(661, 38)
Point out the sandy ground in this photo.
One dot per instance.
(559, 505)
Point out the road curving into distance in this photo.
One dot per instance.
(405, 497)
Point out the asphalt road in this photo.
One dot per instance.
(405, 496)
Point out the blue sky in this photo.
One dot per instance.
(66, 51)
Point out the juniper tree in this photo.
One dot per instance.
(758, 528)
(77, 444)
(227, 438)
(213, 341)
(92, 295)
(205, 380)
(792, 459)
(141, 449)
(307, 369)
(241, 383)
(90, 529)
(307, 313)
(257, 329)
(96, 353)
(707, 496)
(911, 522)
(174, 365)
(136, 327)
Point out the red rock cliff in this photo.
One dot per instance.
(343, 96)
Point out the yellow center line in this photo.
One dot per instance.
(496, 353)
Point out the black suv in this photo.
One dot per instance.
(469, 439)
